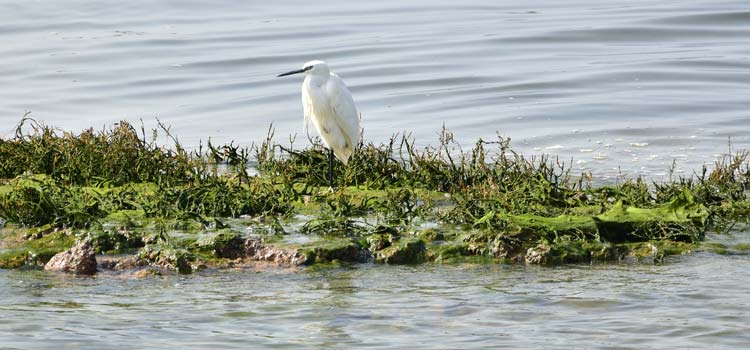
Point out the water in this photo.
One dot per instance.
(695, 301)
(618, 86)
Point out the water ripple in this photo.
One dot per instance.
(645, 72)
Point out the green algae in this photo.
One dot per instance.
(328, 250)
(33, 250)
(168, 256)
(431, 234)
(380, 240)
(116, 241)
(561, 225)
(14, 258)
(682, 219)
(131, 218)
(222, 244)
(656, 251)
(487, 204)
(448, 252)
(407, 250)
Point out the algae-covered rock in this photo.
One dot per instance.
(79, 260)
(327, 250)
(380, 241)
(538, 255)
(657, 250)
(282, 256)
(39, 232)
(448, 251)
(223, 244)
(555, 226)
(510, 244)
(116, 241)
(120, 262)
(521, 232)
(231, 245)
(565, 250)
(407, 250)
(168, 256)
(20, 248)
(12, 259)
(682, 220)
(147, 272)
(430, 235)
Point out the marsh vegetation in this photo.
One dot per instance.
(393, 203)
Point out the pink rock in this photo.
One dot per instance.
(80, 260)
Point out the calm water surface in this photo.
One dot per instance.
(613, 84)
(617, 85)
(695, 301)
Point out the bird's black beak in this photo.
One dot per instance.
(295, 71)
(290, 73)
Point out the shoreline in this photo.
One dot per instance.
(120, 192)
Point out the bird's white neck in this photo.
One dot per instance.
(317, 79)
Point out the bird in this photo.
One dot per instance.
(328, 104)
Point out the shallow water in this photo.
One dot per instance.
(616, 85)
(695, 301)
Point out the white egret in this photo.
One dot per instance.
(328, 103)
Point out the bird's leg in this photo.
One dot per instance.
(330, 168)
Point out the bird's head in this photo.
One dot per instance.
(310, 68)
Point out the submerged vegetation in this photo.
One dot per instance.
(394, 203)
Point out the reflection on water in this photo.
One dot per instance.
(584, 79)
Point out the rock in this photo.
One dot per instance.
(407, 250)
(167, 256)
(431, 235)
(327, 250)
(131, 262)
(147, 272)
(223, 244)
(80, 260)
(39, 232)
(256, 250)
(380, 241)
(448, 251)
(228, 245)
(121, 262)
(538, 255)
(564, 250)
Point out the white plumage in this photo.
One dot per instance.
(329, 106)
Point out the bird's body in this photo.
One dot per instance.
(329, 106)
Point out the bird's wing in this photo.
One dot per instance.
(344, 110)
(306, 106)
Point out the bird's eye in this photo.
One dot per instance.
(307, 68)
